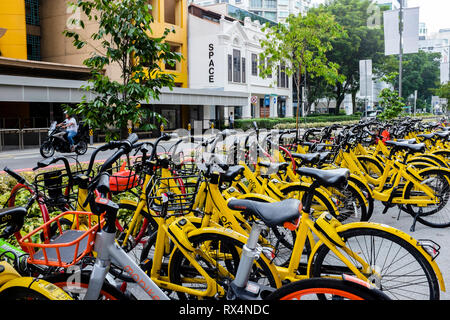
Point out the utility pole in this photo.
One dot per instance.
(400, 68)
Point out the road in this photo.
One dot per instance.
(25, 160)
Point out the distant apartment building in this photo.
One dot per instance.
(275, 10)
(438, 42)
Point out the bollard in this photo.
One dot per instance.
(161, 128)
(91, 137)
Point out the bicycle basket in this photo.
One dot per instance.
(125, 177)
(180, 190)
(57, 187)
(64, 247)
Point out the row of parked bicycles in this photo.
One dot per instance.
(261, 215)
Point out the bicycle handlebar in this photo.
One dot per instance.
(15, 175)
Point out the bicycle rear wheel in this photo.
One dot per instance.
(396, 266)
(325, 288)
(435, 215)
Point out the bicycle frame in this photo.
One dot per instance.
(107, 250)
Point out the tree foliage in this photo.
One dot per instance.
(363, 42)
(300, 45)
(123, 37)
(390, 100)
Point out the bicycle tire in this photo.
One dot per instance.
(439, 216)
(416, 281)
(76, 285)
(178, 267)
(336, 289)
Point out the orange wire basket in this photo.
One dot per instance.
(65, 247)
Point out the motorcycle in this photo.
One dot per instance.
(57, 141)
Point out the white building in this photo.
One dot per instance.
(276, 10)
(440, 43)
(224, 55)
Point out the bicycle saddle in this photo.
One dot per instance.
(232, 172)
(274, 167)
(310, 158)
(271, 213)
(426, 136)
(407, 140)
(418, 147)
(332, 177)
(443, 134)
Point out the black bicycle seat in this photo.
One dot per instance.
(418, 147)
(426, 136)
(274, 167)
(332, 177)
(271, 213)
(310, 158)
(232, 173)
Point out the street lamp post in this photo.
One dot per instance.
(400, 56)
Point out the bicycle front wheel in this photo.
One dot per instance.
(219, 256)
(326, 288)
(33, 289)
(396, 266)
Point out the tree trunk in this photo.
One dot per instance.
(354, 105)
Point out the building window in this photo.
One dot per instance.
(262, 64)
(269, 4)
(236, 65)
(230, 68)
(283, 14)
(172, 12)
(33, 47)
(32, 12)
(243, 71)
(173, 48)
(283, 2)
(254, 64)
(256, 4)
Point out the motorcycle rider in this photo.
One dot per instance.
(71, 126)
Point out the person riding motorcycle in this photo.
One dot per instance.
(71, 126)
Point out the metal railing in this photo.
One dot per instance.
(11, 139)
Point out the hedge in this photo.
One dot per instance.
(270, 123)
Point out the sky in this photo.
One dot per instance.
(435, 13)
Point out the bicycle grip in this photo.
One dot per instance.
(103, 183)
(133, 138)
(15, 175)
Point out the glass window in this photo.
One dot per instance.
(254, 64)
(33, 47)
(243, 70)
(270, 15)
(236, 65)
(283, 2)
(283, 14)
(230, 68)
(32, 12)
(270, 4)
(256, 4)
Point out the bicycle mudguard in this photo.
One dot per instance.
(427, 159)
(429, 169)
(404, 236)
(238, 237)
(306, 186)
(47, 289)
(358, 181)
(381, 163)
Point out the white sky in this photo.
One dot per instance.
(435, 13)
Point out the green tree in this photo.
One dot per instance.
(300, 45)
(124, 37)
(363, 42)
(389, 100)
(421, 72)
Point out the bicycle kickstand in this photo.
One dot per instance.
(415, 216)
